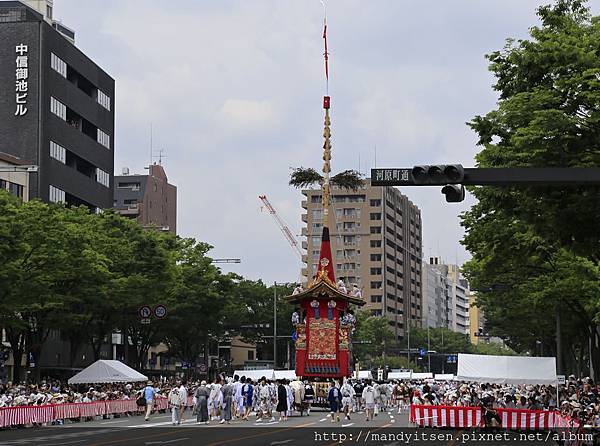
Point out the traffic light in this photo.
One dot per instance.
(455, 193)
(439, 175)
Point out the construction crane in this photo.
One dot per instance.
(289, 236)
(227, 261)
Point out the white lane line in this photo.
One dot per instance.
(348, 425)
(274, 443)
(68, 442)
(266, 424)
(166, 442)
(322, 419)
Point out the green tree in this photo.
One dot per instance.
(536, 249)
(372, 335)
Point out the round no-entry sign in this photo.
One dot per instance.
(145, 312)
(160, 311)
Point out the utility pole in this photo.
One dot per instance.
(559, 355)
(274, 325)
(428, 349)
(408, 339)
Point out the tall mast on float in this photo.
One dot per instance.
(325, 270)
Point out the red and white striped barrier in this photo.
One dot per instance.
(25, 415)
(471, 417)
(445, 416)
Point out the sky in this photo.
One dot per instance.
(232, 90)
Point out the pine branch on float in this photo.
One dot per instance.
(348, 179)
(305, 177)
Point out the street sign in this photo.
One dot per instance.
(145, 321)
(422, 352)
(562, 379)
(160, 311)
(379, 374)
(452, 359)
(395, 177)
(145, 312)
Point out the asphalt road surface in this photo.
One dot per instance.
(390, 429)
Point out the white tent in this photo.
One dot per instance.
(256, 374)
(364, 374)
(444, 377)
(422, 375)
(399, 375)
(285, 374)
(107, 371)
(506, 369)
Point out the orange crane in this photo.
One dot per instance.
(282, 226)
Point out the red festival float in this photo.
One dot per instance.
(324, 320)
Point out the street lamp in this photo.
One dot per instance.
(428, 339)
(275, 323)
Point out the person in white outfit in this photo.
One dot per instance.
(237, 396)
(347, 392)
(214, 399)
(368, 397)
(175, 405)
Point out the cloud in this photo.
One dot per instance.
(233, 89)
(245, 115)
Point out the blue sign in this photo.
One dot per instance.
(294, 336)
(452, 359)
(422, 352)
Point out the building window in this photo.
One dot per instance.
(16, 189)
(103, 99)
(58, 108)
(376, 299)
(132, 186)
(375, 203)
(375, 229)
(375, 243)
(375, 257)
(376, 312)
(103, 139)
(58, 152)
(56, 195)
(58, 65)
(375, 216)
(376, 285)
(3, 184)
(102, 177)
(375, 271)
(317, 214)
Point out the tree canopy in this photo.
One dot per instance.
(86, 276)
(536, 249)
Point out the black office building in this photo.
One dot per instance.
(56, 110)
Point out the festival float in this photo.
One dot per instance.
(324, 318)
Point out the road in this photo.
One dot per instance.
(317, 428)
(390, 429)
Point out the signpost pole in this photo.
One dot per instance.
(274, 325)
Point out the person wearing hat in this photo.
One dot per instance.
(148, 393)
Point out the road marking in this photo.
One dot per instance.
(114, 422)
(266, 424)
(348, 425)
(322, 419)
(281, 442)
(68, 442)
(166, 442)
(162, 434)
